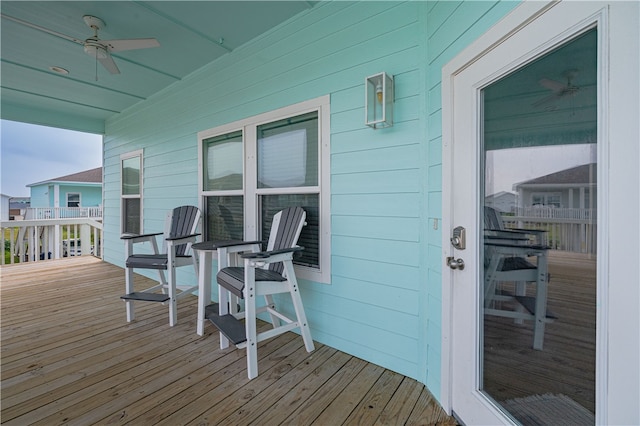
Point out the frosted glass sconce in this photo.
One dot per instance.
(378, 106)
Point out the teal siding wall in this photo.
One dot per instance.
(383, 302)
(89, 196)
(451, 27)
(43, 195)
(40, 196)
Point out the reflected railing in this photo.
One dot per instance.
(571, 230)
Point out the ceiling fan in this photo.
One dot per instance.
(560, 90)
(101, 49)
(94, 46)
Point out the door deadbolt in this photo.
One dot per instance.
(459, 237)
(454, 263)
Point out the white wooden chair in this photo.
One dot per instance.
(180, 232)
(263, 274)
(509, 257)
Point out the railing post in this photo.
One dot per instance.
(85, 240)
(57, 242)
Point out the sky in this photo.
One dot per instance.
(507, 167)
(31, 154)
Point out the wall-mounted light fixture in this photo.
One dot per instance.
(378, 106)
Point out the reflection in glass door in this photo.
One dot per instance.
(539, 207)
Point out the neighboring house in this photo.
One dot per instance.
(18, 207)
(82, 189)
(4, 207)
(502, 201)
(280, 120)
(574, 188)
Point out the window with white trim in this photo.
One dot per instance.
(131, 192)
(546, 199)
(251, 169)
(73, 199)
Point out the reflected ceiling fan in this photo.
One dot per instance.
(560, 90)
(94, 46)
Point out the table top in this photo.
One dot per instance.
(215, 245)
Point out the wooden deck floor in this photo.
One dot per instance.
(513, 369)
(69, 357)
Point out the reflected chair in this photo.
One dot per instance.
(515, 255)
(264, 274)
(180, 232)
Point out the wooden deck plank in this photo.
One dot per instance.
(325, 395)
(70, 357)
(371, 406)
(426, 413)
(341, 407)
(401, 404)
(245, 390)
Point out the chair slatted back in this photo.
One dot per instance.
(285, 230)
(182, 221)
(492, 219)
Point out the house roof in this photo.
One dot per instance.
(87, 176)
(584, 174)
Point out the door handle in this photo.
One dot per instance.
(454, 263)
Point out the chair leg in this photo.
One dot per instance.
(541, 304)
(521, 290)
(223, 309)
(204, 289)
(250, 320)
(173, 301)
(128, 276)
(299, 308)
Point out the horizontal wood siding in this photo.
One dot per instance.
(383, 300)
(376, 180)
(451, 26)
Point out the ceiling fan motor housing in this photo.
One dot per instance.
(95, 49)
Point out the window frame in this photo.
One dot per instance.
(73, 193)
(126, 156)
(250, 191)
(546, 197)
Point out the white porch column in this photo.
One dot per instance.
(56, 200)
(57, 242)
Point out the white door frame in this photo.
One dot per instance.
(617, 342)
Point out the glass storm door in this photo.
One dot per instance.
(520, 211)
(537, 236)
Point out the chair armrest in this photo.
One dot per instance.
(528, 231)
(214, 245)
(265, 255)
(182, 237)
(520, 247)
(506, 236)
(137, 238)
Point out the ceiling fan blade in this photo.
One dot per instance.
(109, 64)
(556, 86)
(130, 44)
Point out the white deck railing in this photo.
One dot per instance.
(39, 213)
(571, 230)
(43, 239)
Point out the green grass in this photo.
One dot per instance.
(7, 245)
